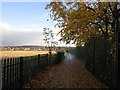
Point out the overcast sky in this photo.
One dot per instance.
(22, 23)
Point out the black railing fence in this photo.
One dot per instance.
(16, 72)
(100, 59)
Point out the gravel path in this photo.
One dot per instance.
(70, 73)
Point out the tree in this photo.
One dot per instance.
(81, 22)
(48, 38)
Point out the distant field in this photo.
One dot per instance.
(10, 54)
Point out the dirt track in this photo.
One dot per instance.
(70, 73)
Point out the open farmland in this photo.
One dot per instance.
(10, 54)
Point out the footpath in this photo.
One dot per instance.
(70, 73)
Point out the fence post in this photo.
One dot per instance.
(10, 71)
(7, 72)
(39, 60)
(118, 58)
(47, 59)
(0, 74)
(94, 56)
(4, 74)
(21, 72)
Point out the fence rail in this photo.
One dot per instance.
(18, 71)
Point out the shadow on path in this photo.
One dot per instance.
(70, 73)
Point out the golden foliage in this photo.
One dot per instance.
(81, 21)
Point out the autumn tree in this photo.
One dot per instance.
(49, 39)
(82, 21)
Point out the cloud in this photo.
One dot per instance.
(30, 26)
(5, 26)
(26, 35)
(20, 36)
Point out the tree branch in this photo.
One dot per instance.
(110, 7)
(91, 9)
(99, 27)
(107, 21)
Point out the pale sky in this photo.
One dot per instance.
(22, 23)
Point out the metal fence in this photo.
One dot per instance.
(18, 71)
(100, 59)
